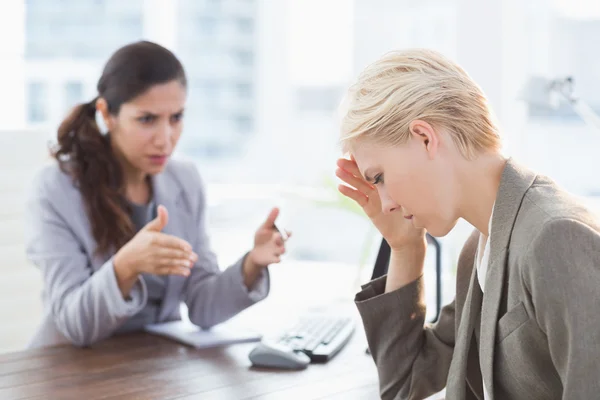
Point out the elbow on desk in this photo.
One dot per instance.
(202, 321)
(75, 332)
(79, 339)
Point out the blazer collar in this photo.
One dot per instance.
(514, 183)
(168, 191)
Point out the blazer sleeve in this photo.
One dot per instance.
(564, 281)
(86, 305)
(211, 295)
(412, 359)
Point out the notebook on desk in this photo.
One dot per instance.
(187, 333)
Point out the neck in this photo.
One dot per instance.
(480, 183)
(135, 182)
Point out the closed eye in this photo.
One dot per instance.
(378, 179)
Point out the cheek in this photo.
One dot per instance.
(132, 139)
(404, 191)
(176, 135)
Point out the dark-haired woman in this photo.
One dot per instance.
(118, 229)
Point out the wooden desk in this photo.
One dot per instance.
(142, 366)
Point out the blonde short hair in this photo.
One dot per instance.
(404, 86)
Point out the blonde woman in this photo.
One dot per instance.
(425, 151)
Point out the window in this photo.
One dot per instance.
(208, 90)
(318, 99)
(244, 90)
(73, 94)
(207, 25)
(245, 25)
(243, 57)
(244, 124)
(37, 97)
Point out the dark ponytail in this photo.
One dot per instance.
(86, 154)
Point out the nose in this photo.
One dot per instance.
(163, 135)
(388, 205)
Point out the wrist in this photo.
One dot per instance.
(412, 251)
(251, 270)
(124, 269)
(406, 265)
(250, 265)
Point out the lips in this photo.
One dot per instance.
(408, 216)
(158, 159)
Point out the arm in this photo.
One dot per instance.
(213, 296)
(86, 306)
(564, 280)
(412, 360)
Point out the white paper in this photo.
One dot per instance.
(188, 333)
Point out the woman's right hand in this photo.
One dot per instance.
(153, 252)
(397, 230)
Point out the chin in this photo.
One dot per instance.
(155, 169)
(441, 229)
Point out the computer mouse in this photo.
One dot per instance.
(272, 355)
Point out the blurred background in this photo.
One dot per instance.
(265, 81)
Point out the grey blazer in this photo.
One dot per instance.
(534, 334)
(82, 302)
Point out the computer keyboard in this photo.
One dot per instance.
(320, 337)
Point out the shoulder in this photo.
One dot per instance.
(565, 243)
(550, 213)
(183, 177)
(560, 235)
(184, 172)
(52, 183)
(182, 169)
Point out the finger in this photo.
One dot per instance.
(277, 238)
(164, 240)
(270, 222)
(354, 181)
(169, 252)
(175, 262)
(280, 250)
(354, 194)
(349, 166)
(289, 233)
(158, 223)
(174, 270)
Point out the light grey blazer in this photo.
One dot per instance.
(533, 334)
(82, 302)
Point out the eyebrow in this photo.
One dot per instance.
(142, 112)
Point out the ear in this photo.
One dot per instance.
(102, 106)
(425, 135)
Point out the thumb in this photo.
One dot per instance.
(271, 218)
(161, 220)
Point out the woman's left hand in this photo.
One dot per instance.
(269, 246)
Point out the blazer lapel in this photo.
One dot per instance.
(457, 376)
(514, 184)
(169, 193)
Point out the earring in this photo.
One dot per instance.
(101, 124)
